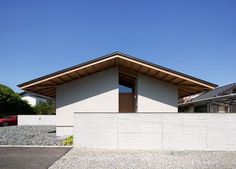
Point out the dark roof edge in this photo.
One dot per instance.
(110, 55)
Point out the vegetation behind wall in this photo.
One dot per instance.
(12, 104)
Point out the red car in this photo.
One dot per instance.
(9, 120)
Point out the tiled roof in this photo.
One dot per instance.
(216, 92)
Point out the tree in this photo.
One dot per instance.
(11, 103)
(43, 108)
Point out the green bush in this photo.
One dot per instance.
(45, 108)
(69, 141)
(11, 103)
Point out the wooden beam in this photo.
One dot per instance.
(112, 64)
(127, 71)
(180, 82)
(139, 68)
(43, 90)
(60, 79)
(76, 69)
(41, 87)
(123, 58)
(49, 91)
(77, 74)
(172, 79)
(131, 67)
(191, 92)
(149, 70)
(71, 78)
(186, 93)
(52, 82)
(188, 85)
(158, 72)
(164, 77)
(128, 78)
(117, 62)
(167, 72)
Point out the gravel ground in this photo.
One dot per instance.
(98, 159)
(29, 135)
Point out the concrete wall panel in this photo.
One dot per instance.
(36, 120)
(156, 131)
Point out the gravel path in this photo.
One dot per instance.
(29, 135)
(99, 159)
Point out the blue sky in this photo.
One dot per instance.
(196, 37)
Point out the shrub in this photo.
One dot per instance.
(11, 103)
(69, 141)
(45, 108)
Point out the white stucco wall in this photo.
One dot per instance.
(36, 120)
(156, 131)
(94, 93)
(156, 96)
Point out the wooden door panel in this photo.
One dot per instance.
(126, 102)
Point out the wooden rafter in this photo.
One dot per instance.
(165, 76)
(121, 60)
(171, 80)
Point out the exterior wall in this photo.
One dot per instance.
(39, 99)
(156, 131)
(94, 93)
(221, 109)
(30, 100)
(36, 120)
(156, 96)
(33, 100)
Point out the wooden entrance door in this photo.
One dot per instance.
(126, 102)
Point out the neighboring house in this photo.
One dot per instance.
(34, 99)
(219, 100)
(115, 83)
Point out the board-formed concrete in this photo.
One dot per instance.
(156, 131)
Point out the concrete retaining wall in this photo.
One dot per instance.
(156, 131)
(36, 119)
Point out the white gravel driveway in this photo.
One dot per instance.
(29, 135)
(103, 159)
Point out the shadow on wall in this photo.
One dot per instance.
(87, 87)
(157, 90)
(106, 81)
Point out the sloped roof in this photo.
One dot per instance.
(46, 85)
(219, 91)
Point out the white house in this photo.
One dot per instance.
(33, 99)
(97, 86)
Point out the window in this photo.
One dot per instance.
(125, 89)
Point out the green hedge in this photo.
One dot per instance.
(11, 103)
